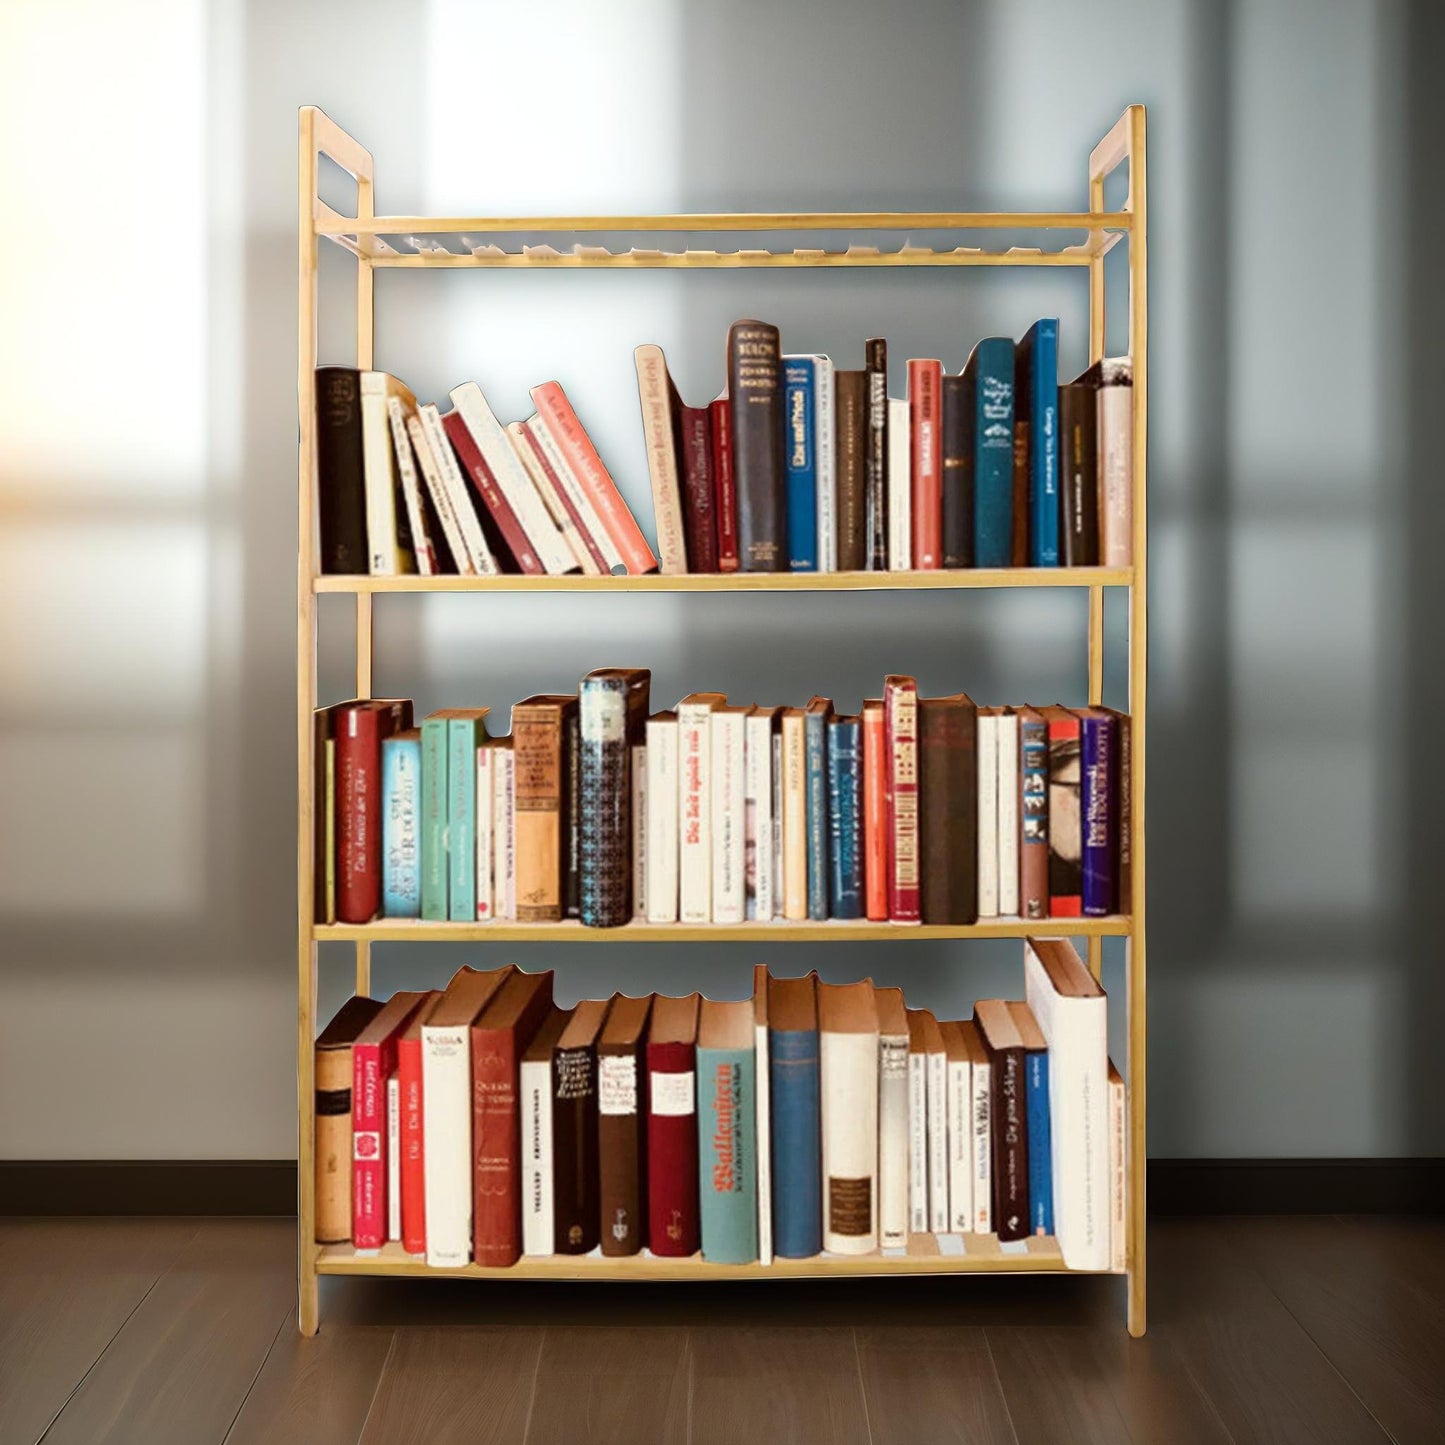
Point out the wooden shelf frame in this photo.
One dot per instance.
(374, 241)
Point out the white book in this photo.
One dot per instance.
(917, 1127)
(759, 813)
(512, 479)
(987, 814)
(522, 444)
(567, 479)
(900, 487)
(486, 814)
(763, 1114)
(982, 1142)
(1115, 420)
(848, 1088)
(1008, 814)
(385, 555)
(504, 835)
(393, 1157)
(793, 805)
(826, 461)
(439, 447)
(411, 484)
(662, 800)
(1072, 1014)
(892, 1119)
(1118, 1171)
(728, 750)
(534, 1097)
(960, 1130)
(639, 831)
(694, 806)
(937, 1133)
(440, 496)
(446, 1101)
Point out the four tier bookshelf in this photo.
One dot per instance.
(1065, 238)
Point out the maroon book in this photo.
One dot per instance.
(672, 1200)
(699, 516)
(360, 727)
(498, 507)
(724, 490)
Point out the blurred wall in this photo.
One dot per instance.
(147, 468)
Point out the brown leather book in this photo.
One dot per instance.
(1019, 535)
(851, 442)
(575, 1192)
(622, 1126)
(760, 476)
(543, 733)
(948, 808)
(333, 1118)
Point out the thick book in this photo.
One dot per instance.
(727, 754)
(333, 1085)
(892, 1118)
(875, 470)
(925, 406)
(794, 797)
(1066, 837)
(511, 539)
(815, 737)
(1118, 1171)
(373, 1062)
(793, 1065)
(655, 392)
(755, 390)
(401, 824)
(918, 1195)
(1005, 1048)
(900, 711)
(799, 381)
(1033, 814)
(958, 513)
(575, 1180)
(466, 732)
(361, 728)
(875, 811)
(990, 373)
(672, 1181)
(662, 816)
(1037, 396)
(613, 720)
(1114, 378)
(825, 454)
(948, 779)
(435, 864)
(960, 1127)
(412, 1151)
(542, 729)
(1036, 1087)
(850, 446)
(1098, 825)
(500, 1035)
(1078, 474)
(981, 1104)
(1008, 812)
(848, 1088)
(724, 484)
(845, 817)
(560, 507)
(986, 793)
(694, 822)
(446, 1065)
(574, 496)
(1072, 1014)
(390, 550)
(534, 1085)
(692, 426)
(937, 1085)
(763, 1113)
(622, 1125)
(759, 805)
(727, 1132)
(900, 486)
(340, 478)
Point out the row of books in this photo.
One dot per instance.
(406, 488)
(486, 1123)
(802, 467)
(930, 810)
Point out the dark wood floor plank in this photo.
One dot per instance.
(757, 1383)
(597, 1385)
(931, 1382)
(66, 1288)
(1366, 1299)
(318, 1391)
(1255, 1363)
(182, 1363)
(457, 1386)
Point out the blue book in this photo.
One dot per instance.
(1036, 395)
(1098, 764)
(401, 825)
(815, 743)
(465, 731)
(434, 818)
(845, 815)
(793, 1075)
(991, 370)
(1040, 1145)
(727, 1132)
(799, 380)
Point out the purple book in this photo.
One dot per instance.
(1098, 747)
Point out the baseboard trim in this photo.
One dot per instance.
(1176, 1186)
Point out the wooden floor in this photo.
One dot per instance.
(150, 1331)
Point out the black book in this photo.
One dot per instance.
(876, 461)
(1079, 471)
(755, 387)
(576, 1194)
(958, 471)
(948, 809)
(340, 477)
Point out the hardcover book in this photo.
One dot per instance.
(693, 427)
(990, 371)
(1078, 474)
(360, 729)
(875, 811)
(848, 1073)
(815, 738)
(728, 764)
(900, 487)
(958, 505)
(574, 494)
(1009, 1123)
(655, 393)
(792, 732)
(508, 539)
(388, 528)
(672, 1130)
(504, 830)
(466, 732)
(435, 865)
(485, 872)
(937, 1086)
(613, 720)
(1033, 814)
(727, 1133)
(875, 486)
(981, 1097)
(960, 1127)
(1037, 394)
(892, 1118)
(948, 769)
(918, 1159)
(755, 389)
(845, 817)
(694, 822)
(925, 383)
(412, 1152)
(333, 1080)
(1098, 827)
(1036, 1087)
(542, 728)
(1114, 377)
(1066, 839)
(850, 467)
(763, 1113)
(340, 483)
(575, 1180)
(534, 1084)
(796, 1119)
(430, 540)
(760, 729)
(799, 379)
(725, 492)
(986, 792)
(400, 824)
(622, 1125)
(560, 507)
(1008, 812)
(449, 490)
(900, 706)
(825, 454)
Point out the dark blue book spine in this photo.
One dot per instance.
(845, 810)
(993, 443)
(1098, 743)
(815, 727)
(1042, 344)
(798, 383)
(1041, 1165)
(797, 1144)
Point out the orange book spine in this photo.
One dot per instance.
(875, 814)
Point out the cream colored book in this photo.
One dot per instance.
(567, 480)
(386, 555)
(1115, 412)
(1118, 1170)
(655, 393)
(694, 805)
(504, 834)
(917, 1123)
(455, 486)
(892, 1118)
(663, 797)
(987, 812)
(900, 487)
(1009, 784)
(422, 546)
(960, 1128)
(639, 831)
(981, 1086)
(762, 1098)
(729, 819)
(486, 823)
(518, 435)
(795, 814)
(848, 1089)
(440, 495)
(937, 1124)
(758, 809)
(825, 451)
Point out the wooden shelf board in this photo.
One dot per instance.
(398, 930)
(712, 260)
(954, 579)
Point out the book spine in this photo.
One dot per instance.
(604, 821)
(559, 502)
(1078, 475)
(725, 492)
(763, 1125)
(1041, 1173)
(796, 1143)
(662, 809)
(938, 1142)
(463, 735)
(901, 710)
(848, 1068)
(340, 485)
(960, 1146)
(486, 829)
(447, 1161)
(917, 1142)
(802, 468)
(329, 832)
(453, 485)
(639, 831)
(504, 834)
(900, 487)
(333, 1145)
(1118, 1173)
(727, 1166)
(759, 815)
(434, 866)
(694, 861)
(993, 439)
(893, 1142)
(388, 551)
(576, 1201)
(957, 471)
(695, 458)
(987, 816)
(400, 831)
(672, 1179)
(875, 814)
(576, 495)
(622, 1192)
(729, 821)
(851, 453)
(654, 395)
(1096, 774)
(845, 817)
(925, 383)
(474, 464)
(496, 1130)
(427, 561)
(815, 735)
(825, 455)
(393, 1159)
(540, 775)
(1020, 509)
(1008, 815)
(440, 498)
(948, 781)
(755, 388)
(1010, 1145)
(777, 781)
(1124, 792)
(368, 1146)
(876, 468)
(1116, 471)
(570, 844)
(358, 815)
(982, 1095)
(412, 1152)
(1066, 841)
(534, 1081)
(795, 817)
(1043, 410)
(1034, 818)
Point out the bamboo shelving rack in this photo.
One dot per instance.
(417, 242)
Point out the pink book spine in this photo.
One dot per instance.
(368, 1144)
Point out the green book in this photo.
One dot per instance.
(434, 817)
(727, 1132)
(466, 727)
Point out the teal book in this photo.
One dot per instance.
(815, 740)
(434, 818)
(990, 370)
(466, 728)
(727, 1132)
(400, 825)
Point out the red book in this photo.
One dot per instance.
(672, 1189)
(413, 1147)
(540, 457)
(360, 727)
(576, 447)
(373, 1060)
(499, 1039)
(900, 715)
(699, 516)
(925, 394)
(1066, 831)
(724, 488)
(875, 812)
(473, 464)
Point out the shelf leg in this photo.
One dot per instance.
(308, 1313)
